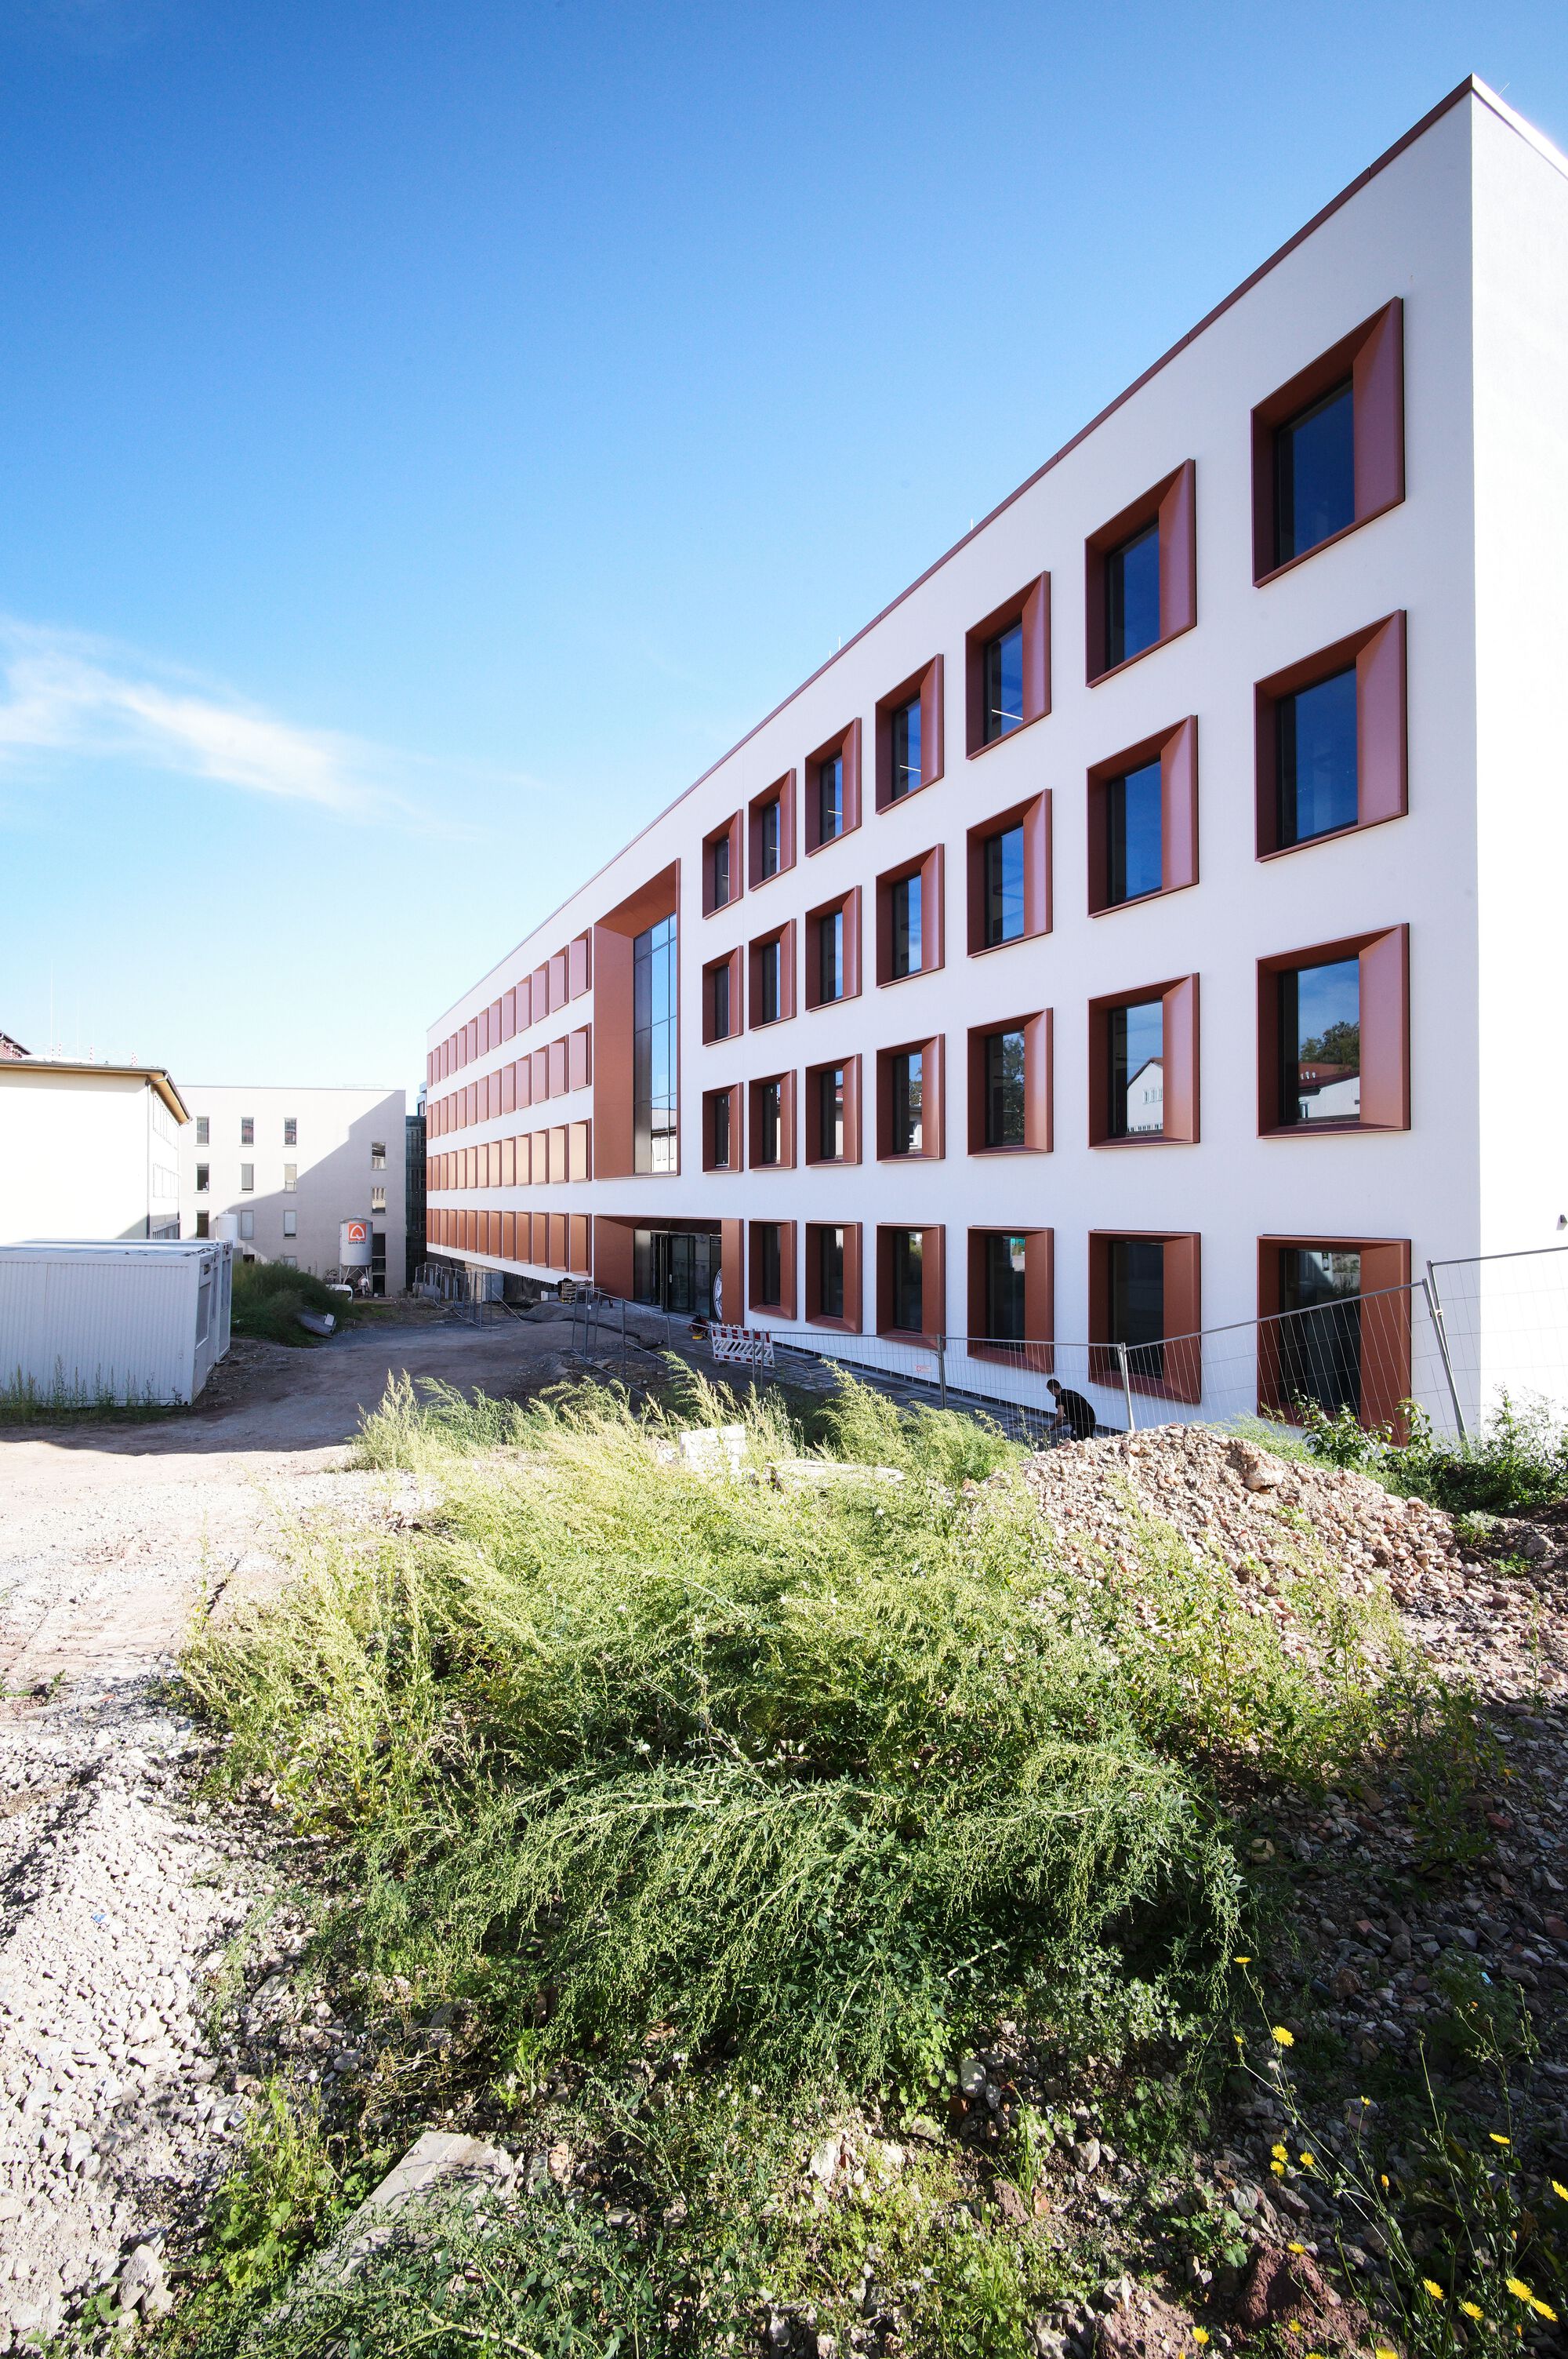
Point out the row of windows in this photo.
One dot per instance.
(248, 1132)
(557, 980)
(538, 1158)
(567, 1064)
(1328, 455)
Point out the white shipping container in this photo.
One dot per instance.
(143, 1322)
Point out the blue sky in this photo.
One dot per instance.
(430, 434)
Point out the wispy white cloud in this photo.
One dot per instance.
(65, 695)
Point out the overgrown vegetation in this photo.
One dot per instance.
(269, 1296)
(1517, 1464)
(26, 1402)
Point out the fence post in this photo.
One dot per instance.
(942, 1371)
(624, 1339)
(1126, 1387)
(1434, 1311)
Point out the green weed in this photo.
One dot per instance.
(268, 1297)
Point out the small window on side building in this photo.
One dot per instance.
(203, 1130)
(247, 1178)
(203, 1177)
(247, 1130)
(378, 1155)
(291, 1130)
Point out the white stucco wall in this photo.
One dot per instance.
(338, 1129)
(84, 1156)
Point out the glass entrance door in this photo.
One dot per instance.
(674, 1269)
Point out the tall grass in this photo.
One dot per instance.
(269, 1296)
(822, 1772)
(1515, 1465)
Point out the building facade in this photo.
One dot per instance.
(291, 1165)
(1137, 926)
(89, 1154)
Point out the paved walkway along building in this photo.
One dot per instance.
(1147, 921)
(291, 1165)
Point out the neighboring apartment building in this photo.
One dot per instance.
(88, 1153)
(291, 1164)
(1147, 920)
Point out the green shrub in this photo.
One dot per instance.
(269, 1296)
(1515, 1465)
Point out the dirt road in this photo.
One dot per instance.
(112, 1535)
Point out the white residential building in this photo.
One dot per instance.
(88, 1153)
(292, 1164)
(1236, 728)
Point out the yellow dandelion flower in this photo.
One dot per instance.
(1543, 2310)
(1433, 2289)
(1308, 2161)
(1294, 2324)
(1382, 2351)
(1497, 2139)
(1200, 2335)
(1239, 2041)
(1295, 2249)
(1383, 2178)
(1473, 2309)
(1278, 2169)
(1278, 2153)
(1519, 2289)
(1242, 1962)
(1281, 2036)
(1559, 2190)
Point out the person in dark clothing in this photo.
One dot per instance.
(1075, 1418)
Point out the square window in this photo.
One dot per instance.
(1011, 1289)
(721, 866)
(1140, 575)
(1334, 1037)
(1330, 736)
(1004, 1082)
(1143, 1066)
(203, 1130)
(1008, 667)
(291, 1130)
(771, 830)
(1010, 1086)
(909, 736)
(1144, 1315)
(907, 1075)
(768, 1123)
(1009, 876)
(720, 1130)
(833, 790)
(1004, 1271)
(773, 977)
(721, 999)
(1334, 1328)
(1144, 821)
(833, 1112)
(911, 1281)
(909, 1101)
(1134, 862)
(833, 950)
(909, 918)
(1328, 447)
(771, 1247)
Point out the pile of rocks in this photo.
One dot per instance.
(1267, 1519)
(114, 2116)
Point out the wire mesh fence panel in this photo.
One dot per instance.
(1505, 1317)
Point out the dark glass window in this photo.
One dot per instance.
(1004, 886)
(1137, 1040)
(1133, 596)
(1133, 846)
(770, 970)
(906, 899)
(719, 983)
(653, 1014)
(830, 1274)
(1137, 1290)
(1004, 1289)
(830, 1113)
(203, 1177)
(767, 1143)
(721, 1131)
(767, 1266)
(204, 1129)
(1320, 1042)
(768, 839)
(908, 1247)
(291, 1130)
(1004, 1089)
(1315, 474)
(830, 798)
(247, 1130)
(1003, 665)
(908, 1103)
(1319, 1339)
(906, 772)
(722, 872)
(830, 950)
(1318, 775)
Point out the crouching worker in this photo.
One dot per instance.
(1075, 1418)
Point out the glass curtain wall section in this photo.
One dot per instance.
(1135, 850)
(1004, 886)
(830, 951)
(1004, 1289)
(1317, 760)
(654, 1010)
(907, 926)
(1315, 474)
(1320, 1345)
(830, 798)
(1133, 596)
(830, 1277)
(1137, 1290)
(906, 771)
(1136, 1093)
(830, 1113)
(1004, 1089)
(1320, 1042)
(909, 1280)
(908, 1103)
(1003, 684)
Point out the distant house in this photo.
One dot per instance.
(93, 1152)
(1146, 1097)
(12, 1049)
(1329, 1092)
(291, 1164)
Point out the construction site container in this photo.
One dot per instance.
(141, 1321)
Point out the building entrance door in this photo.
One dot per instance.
(674, 1269)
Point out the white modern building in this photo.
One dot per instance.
(88, 1152)
(1231, 740)
(291, 1165)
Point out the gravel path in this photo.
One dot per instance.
(123, 1905)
